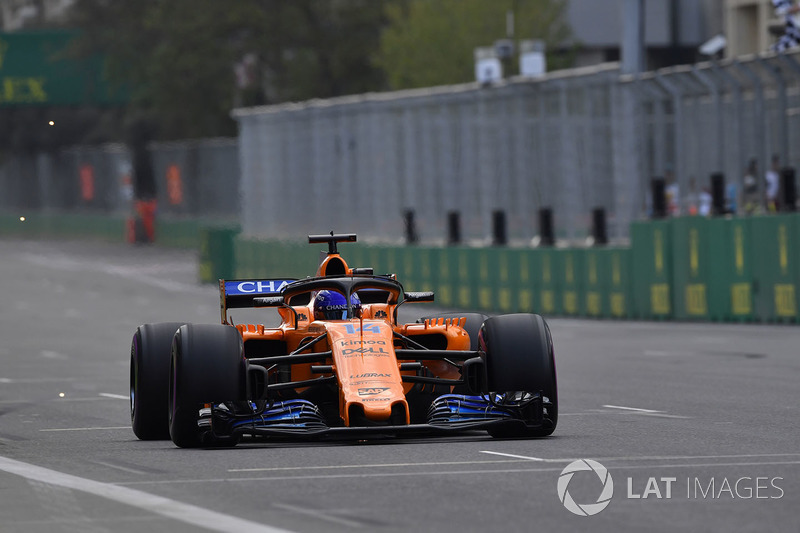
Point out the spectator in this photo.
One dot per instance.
(691, 200)
(791, 36)
(672, 193)
(772, 179)
(730, 198)
(705, 203)
(750, 200)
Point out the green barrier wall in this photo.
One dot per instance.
(652, 269)
(569, 272)
(619, 281)
(547, 300)
(63, 226)
(694, 247)
(606, 288)
(217, 253)
(740, 269)
(775, 267)
(732, 269)
(179, 233)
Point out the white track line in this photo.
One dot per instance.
(84, 429)
(637, 409)
(522, 458)
(515, 456)
(175, 510)
(115, 396)
(384, 465)
(447, 473)
(118, 467)
(319, 515)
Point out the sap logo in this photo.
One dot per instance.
(369, 328)
(258, 287)
(371, 375)
(364, 351)
(372, 391)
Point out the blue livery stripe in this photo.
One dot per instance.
(255, 287)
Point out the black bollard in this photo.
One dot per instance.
(546, 237)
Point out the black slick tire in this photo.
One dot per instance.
(207, 366)
(519, 357)
(151, 350)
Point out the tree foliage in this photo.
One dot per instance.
(179, 57)
(431, 42)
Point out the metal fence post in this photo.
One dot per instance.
(758, 130)
(783, 127)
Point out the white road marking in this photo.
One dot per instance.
(521, 459)
(115, 396)
(515, 456)
(37, 380)
(384, 465)
(664, 353)
(316, 513)
(637, 409)
(50, 354)
(182, 512)
(601, 412)
(447, 473)
(86, 429)
(118, 467)
(679, 457)
(133, 273)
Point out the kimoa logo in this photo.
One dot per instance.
(586, 509)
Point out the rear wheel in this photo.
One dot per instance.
(207, 367)
(149, 379)
(519, 359)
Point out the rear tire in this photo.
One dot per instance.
(149, 379)
(520, 358)
(207, 366)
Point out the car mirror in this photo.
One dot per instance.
(418, 297)
(268, 301)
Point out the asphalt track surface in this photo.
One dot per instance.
(707, 405)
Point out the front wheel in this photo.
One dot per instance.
(207, 367)
(520, 360)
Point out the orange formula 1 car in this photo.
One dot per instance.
(340, 364)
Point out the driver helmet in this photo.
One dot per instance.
(330, 305)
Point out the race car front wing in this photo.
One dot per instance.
(448, 414)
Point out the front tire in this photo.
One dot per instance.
(207, 367)
(520, 358)
(149, 379)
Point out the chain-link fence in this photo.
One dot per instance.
(193, 178)
(572, 142)
(718, 118)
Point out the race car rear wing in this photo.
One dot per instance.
(241, 293)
